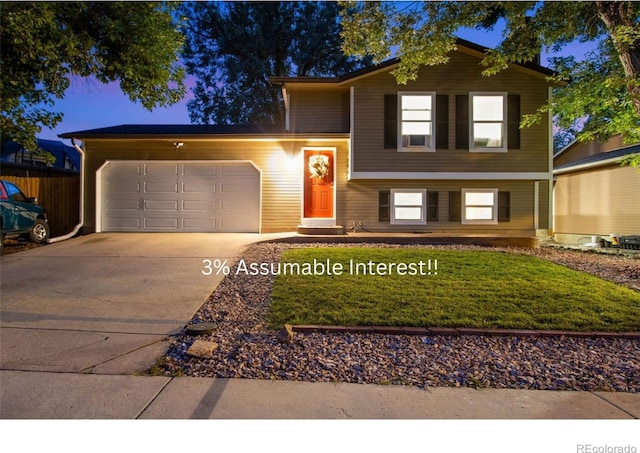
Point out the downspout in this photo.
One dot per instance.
(81, 221)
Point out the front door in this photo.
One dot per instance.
(318, 184)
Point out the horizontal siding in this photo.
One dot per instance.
(598, 202)
(281, 170)
(319, 111)
(362, 205)
(460, 76)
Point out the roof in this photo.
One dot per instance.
(598, 160)
(58, 149)
(461, 44)
(174, 130)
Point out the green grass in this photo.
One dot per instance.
(479, 289)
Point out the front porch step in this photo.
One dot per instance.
(333, 230)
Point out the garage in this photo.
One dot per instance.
(180, 196)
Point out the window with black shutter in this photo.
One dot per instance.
(504, 206)
(383, 206)
(433, 199)
(455, 206)
(390, 121)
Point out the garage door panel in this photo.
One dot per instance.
(236, 187)
(160, 187)
(193, 170)
(163, 224)
(185, 196)
(115, 223)
(161, 171)
(161, 205)
(199, 187)
(198, 224)
(124, 172)
(123, 186)
(235, 224)
(204, 206)
(122, 205)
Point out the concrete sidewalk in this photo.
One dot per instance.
(44, 395)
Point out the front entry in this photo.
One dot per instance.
(319, 186)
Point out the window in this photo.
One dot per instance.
(416, 113)
(408, 206)
(441, 115)
(488, 125)
(479, 206)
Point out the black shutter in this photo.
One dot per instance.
(432, 206)
(455, 206)
(504, 206)
(390, 121)
(383, 206)
(513, 121)
(442, 121)
(462, 121)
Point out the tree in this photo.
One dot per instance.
(234, 47)
(601, 93)
(43, 44)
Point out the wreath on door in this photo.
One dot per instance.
(318, 166)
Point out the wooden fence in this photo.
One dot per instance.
(58, 191)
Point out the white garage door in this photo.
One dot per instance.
(205, 196)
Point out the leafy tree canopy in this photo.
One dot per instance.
(43, 44)
(600, 96)
(234, 47)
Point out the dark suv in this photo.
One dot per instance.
(20, 215)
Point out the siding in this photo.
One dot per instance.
(281, 170)
(324, 110)
(362, 206)
(598, 202)
(460, 76)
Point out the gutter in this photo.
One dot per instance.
(585, 166)
(81, 220)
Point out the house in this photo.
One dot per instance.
(66, 157)
(443, 153)
(593, 194)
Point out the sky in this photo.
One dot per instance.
(89, 104)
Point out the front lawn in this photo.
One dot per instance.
(479, 289)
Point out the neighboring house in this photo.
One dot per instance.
(443, 153)
(66, 157)
(593, 194)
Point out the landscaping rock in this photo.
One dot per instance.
(285, 335)
(240, 304)
(202, 349)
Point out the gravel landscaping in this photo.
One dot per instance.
(246, 349)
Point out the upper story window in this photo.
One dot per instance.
(488, 125)
(416, 113)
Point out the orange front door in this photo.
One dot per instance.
(318, 184)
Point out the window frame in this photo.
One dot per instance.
(504, 123)
(393, 206)
(432, 121)
(464, 206)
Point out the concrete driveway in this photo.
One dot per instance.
(105, 303)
